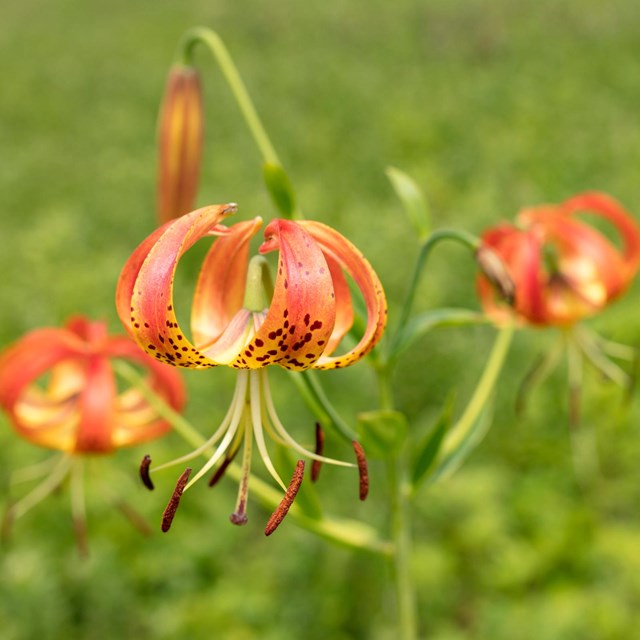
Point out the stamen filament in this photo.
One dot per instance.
(285, 504)
(33, 471)
(78, 506)
(239, 516)
(273, 416)
(238, 396)
(40, 492)
(238, 407)
(256, 419)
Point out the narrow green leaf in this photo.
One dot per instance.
(436, 318)
(430, 447)
(459, 444)
(413, 201)
(382, 433)
(280, 188)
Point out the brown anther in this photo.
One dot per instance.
(363, 471)
(144, 472)
(133, 517)
(285, 504)
(220, 471)
(174, 502)
(496, 272)
(316, 465)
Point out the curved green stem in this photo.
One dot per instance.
(466, 239)
(230, 72)
(341, 531)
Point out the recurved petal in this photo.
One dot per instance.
(302, 312)
(163, 379)
(46, 422)
(607, 207)
(344, 306)
(520, 252)
(337, 248)
(221, 283)
(147, 281)
(95, 405)
(30, 357)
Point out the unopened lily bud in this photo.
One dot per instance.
(180, 134)
(496, 272)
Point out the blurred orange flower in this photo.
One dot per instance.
(563, 268)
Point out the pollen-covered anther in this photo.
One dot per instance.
(145, 463)
(317, 464)
(174, 502)
(285, 504)
(496, 272)
(363, 470)
(219, 472)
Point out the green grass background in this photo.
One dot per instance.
(490, 106)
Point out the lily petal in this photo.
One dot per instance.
(337, 248)
(302, 312)
(146, 282)
(607, 207)
(95, 406)
(221, 283)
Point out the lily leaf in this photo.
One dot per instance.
(430, 447)
(461, 440)
(382, 433)
(280, 188)
(413, 201)
(425, 322)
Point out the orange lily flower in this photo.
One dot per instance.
(58, 389)
(563, 269)
(80, 410)
(234, 323)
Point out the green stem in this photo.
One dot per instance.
(401, 536)
(344, 532)
(482, 392)
(230, 72)
(400, 513)
(314, 387)
(466, 239)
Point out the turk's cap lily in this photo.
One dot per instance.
(180, 141)
(310, 311)
(58, 388)
(563, 268)
(240, 319)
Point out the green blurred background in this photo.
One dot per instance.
(490, 106)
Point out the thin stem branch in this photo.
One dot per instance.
(466, 239)
(230, 72)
